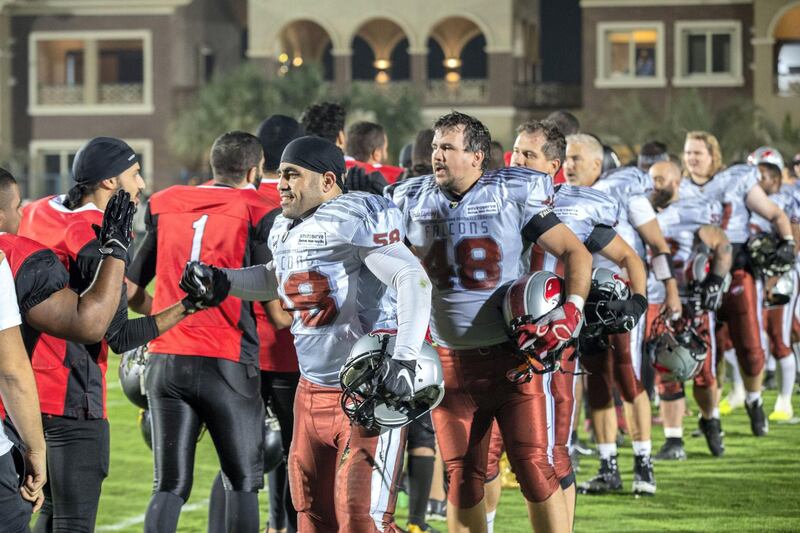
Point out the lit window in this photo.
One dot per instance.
(630, 54)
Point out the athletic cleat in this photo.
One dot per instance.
(606, 480)
(783, 411)
(644, 480)
(581, 447)
(730, 403)
(770, 383)
(713, 433)
(575, 460)
(758, 420)
(437, 509)
(424, 528)
(671, 450)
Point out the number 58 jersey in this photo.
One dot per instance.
(323, 281)
(471, 247)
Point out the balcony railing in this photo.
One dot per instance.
(440, 92)
(547, 95)
(108, 93)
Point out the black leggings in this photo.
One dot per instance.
(77, 464)
(278, 390)
(185, 391)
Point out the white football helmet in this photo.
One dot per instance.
(607, 286)
(361, 376)
(677, 353)
(131, 375)
(781, 293)
(526, 301)
(766, 155)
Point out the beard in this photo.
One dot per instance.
(661, 198)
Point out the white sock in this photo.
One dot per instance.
(752, 397)
(490, 521)
(771, 363)
(783, 403)
(607, 450)
(736, 376)
(788, 371)
(715, 413)
(642, 447)
(673, 433)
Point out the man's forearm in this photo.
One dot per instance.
(578, 269)
(169, 317)
(18, 390)
(99, 302)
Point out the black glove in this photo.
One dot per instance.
(397, 379)
(629, 312)
(116, 233)
(205, 286)
(711, 292)
(357, 179)
(785, 254)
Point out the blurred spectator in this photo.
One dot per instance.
(368, 147)
(565, 121)
(326, 120)
(651, 153)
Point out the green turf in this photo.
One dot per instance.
(755, 487)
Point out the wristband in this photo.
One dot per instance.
(662, 267)
(577, 301)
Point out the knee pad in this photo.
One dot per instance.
(465, 490)
(567, 480)
(561, 463)
(670, 391)
(536, 476)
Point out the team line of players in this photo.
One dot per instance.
(331, 260)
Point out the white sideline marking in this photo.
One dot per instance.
(139, 519)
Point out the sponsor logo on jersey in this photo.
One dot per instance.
(424, 213)
(313, 239)
(489, 208)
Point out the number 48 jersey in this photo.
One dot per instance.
(472, 246)
(323, 282)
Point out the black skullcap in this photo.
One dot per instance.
(102, 158)
(275, 133)
(316, 154)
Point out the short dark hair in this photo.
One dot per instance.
(496, 157)
(476, 136)
(324, 120)
(6, 181)
(421, 154)
(566, 122)
(233, 154)
(653, 148)
(363, 138)
(555, 144)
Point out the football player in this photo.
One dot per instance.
(469, 228)
(334, 254)
(736, 188)
(206, 369)
(591, 215)
(71, 376)
(778, 317)
(18, 389)
(692, 230)
(638, 226)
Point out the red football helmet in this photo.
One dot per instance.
(527, 300)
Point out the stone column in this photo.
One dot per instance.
(6, 109)
(501, 78)
(419, 70)
(342, 69)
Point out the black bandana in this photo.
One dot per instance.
(316, 154)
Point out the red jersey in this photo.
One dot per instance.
(71, 377)
(38, 274)
(220, 226)
(389, 172)
(276, 351)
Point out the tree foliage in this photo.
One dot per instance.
(240, 99)
(739, 124)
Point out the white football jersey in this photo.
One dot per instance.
(581, 209)
(470, 248)
(729, 187)
(679, 223)
(787, 199)
(323, 282)
(623, 184)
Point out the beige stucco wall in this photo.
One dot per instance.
(343, 19)
(767, 14)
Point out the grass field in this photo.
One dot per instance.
(754, 487)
